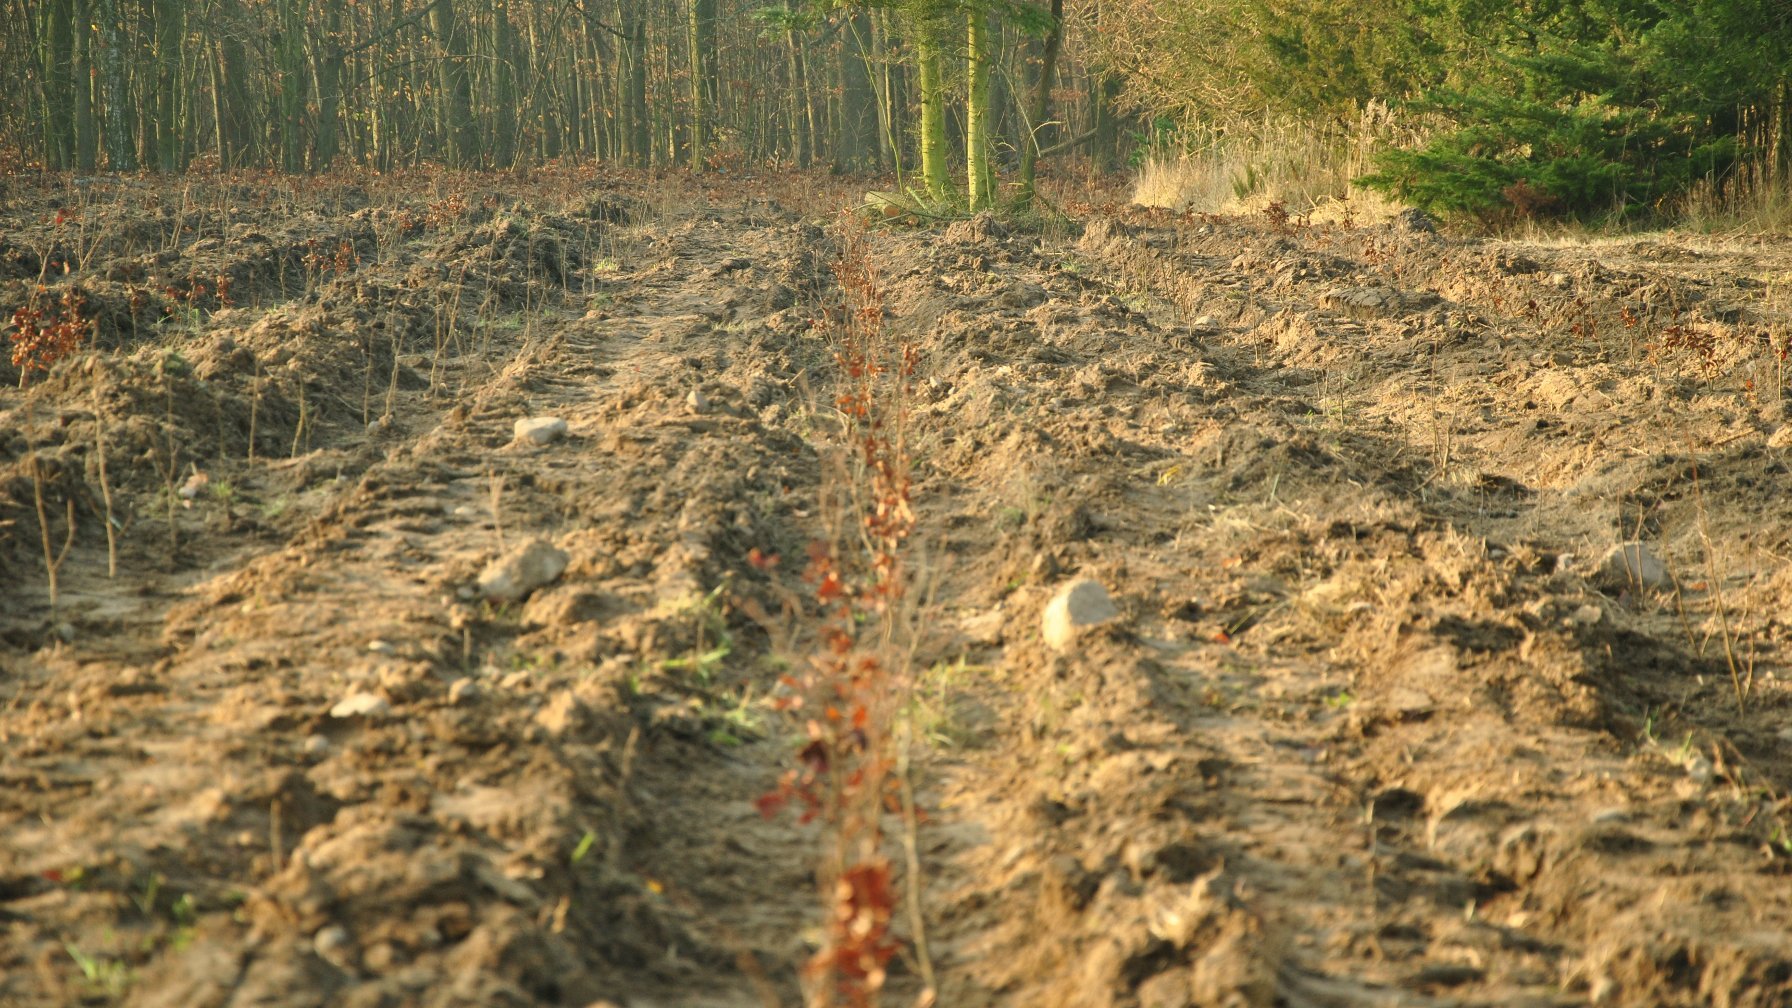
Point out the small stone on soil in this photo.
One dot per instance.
(316, 745)
(334, 946)
(697, 401)
(1361, 302)
(1633, 565)
(1415, 220)
(1076, 607)
(1407, 704)
(1701, 770)
(984, 627)
(515, 574)
(463, 690)
(563, 715)
(539, 430)
(361, 705)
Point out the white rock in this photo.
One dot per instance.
(1701, 770)
(334, 946)
(381, 647)
(462, 690)
(563, 715)
(1076, 607)
(1632, 565)
(515, 574)
(360, 705)
(1408, 704)
(316, 745)
(1556, 389)
(1588, 614)
(1361, 302)
(697, 401)
(540, 430)
(983, 627)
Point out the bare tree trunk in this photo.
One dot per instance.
(59, 88)
(171, 27)
(933, 116)
(637, 130)
(878, 55)
(802, 114)
(861, 101)
(292, 85)
(705, 78)
(506, 121)
(980, 181)
(86, 135)
(329, 88)
(220, 136)
(121, 154)
(457, 91)
(1042, 104)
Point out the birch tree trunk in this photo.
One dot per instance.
(86, 134)
(121, 152)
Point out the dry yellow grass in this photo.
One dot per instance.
(1309, 169)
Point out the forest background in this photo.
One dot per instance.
(1601, 110)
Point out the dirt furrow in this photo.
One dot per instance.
(1415, 746)
(1380, 721)
(347, 776)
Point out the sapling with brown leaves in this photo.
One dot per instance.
(851, 692)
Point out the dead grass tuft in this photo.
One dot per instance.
(1304, 168)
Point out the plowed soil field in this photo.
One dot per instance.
(1452, 581)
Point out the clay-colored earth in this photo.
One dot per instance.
(1379, 723)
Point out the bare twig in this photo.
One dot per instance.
(1743, 687)
(495, 486)
(99, 420)
(254, 407)
(298, 430)
(52, 559)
